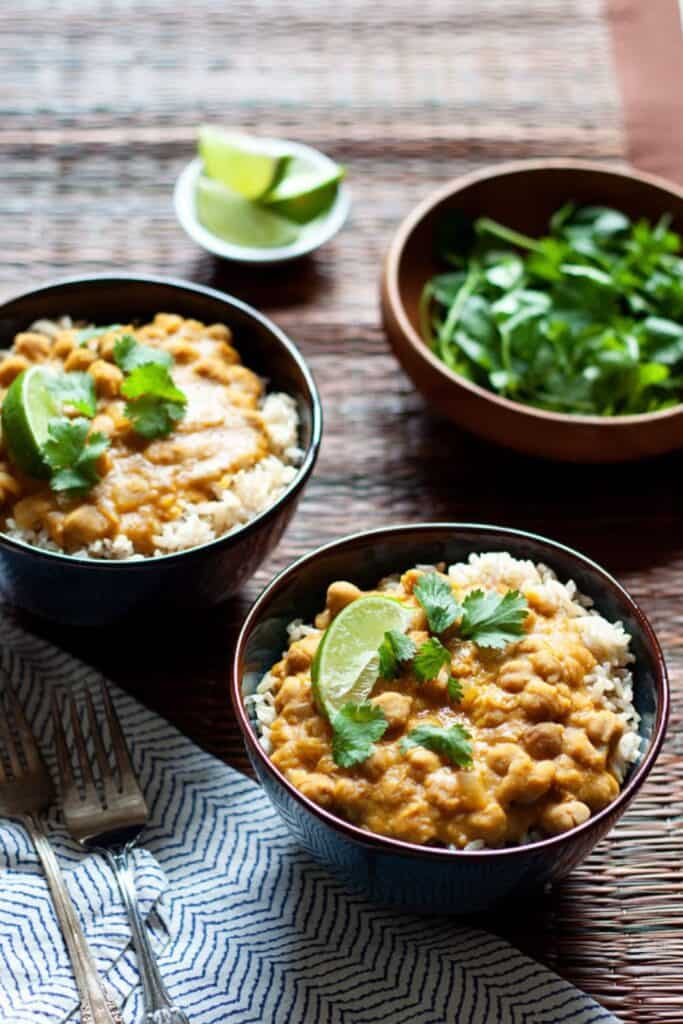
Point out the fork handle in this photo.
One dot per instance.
(159, 1006)
(97, 1006)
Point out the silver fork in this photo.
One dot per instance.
(25, 791)
(112, 826)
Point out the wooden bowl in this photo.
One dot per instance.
(523, 195)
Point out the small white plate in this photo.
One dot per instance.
(311, 237)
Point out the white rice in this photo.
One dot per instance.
(249, 492)
(610, 682)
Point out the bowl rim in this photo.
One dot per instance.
(329, 224)
(388, 844)
(394, 298)
(304, 470)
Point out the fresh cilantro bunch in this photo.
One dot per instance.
(355, 729)
(72, 455)
(154, 403)
(487, 619)
(587, 319)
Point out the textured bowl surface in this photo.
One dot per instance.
(83, 591)
(402, 873)
(523, 195)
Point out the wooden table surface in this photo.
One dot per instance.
(100, 105)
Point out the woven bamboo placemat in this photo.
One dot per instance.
(100, 103)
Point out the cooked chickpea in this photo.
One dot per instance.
(79, 359)
(339, 595)
(30, 513)
(561, 817)
(301, 653)
(36, 347)
(84, 525)
(9, 488)
(10, 367)
(544, 740)
(541, 700)
(396, 708)
(107, 377)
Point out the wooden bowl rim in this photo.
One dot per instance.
(395, 301)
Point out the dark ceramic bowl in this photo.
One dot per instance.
(389, 870)
(82, 591)
(523, 195)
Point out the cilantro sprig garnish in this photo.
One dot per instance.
(455, 690)
(453, 742)
(395, 648)
(434, 593)
(430, 659)
(129, 354)
(154, 404)
(492, 619)
(356, 727)
(87, 333)
(72, 455)
(75, 389)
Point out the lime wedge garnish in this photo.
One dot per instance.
(26, 412)
(306, 191)
(245, 164)
(346, 664)
(231, 217)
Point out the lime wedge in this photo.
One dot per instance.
(248, 165)
(231, 217)
(26, 412)
(306, 191)
(346, 664)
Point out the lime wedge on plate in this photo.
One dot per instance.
(234, 219)
(245, 164)
(346, 664)
(306, 191)
(26, 412)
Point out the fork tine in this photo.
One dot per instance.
(31, 752)
(66, 777)
(106, 774)
(126, 772)
(8, 741)
(86, 771)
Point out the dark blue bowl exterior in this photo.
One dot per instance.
(87, 592)
(397, 873)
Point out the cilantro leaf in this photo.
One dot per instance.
(75, 389)
(434, 593)
(84, 336)
(492, 620)
(156, 404)
(430, 658)
(455, 690)
(355, 728)
(72, 455)
(452, 742)
(129, 354)
(395, 647)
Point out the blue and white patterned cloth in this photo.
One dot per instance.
(249, 929)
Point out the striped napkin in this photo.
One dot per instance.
(248, 928)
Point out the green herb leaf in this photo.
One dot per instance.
(84, 336)
(430, 658)
(72, 455)
(435, 595)
(75, 389)
(129, 354)
(355, 729)
(491, 619)
(395, 648)
(452, 742)
(455, 690)
(155, 403)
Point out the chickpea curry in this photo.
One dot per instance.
(146, 430)
(489, 727)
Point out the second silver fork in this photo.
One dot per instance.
(111, 824)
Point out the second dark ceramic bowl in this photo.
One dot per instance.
(388, 870)
(81, 591)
